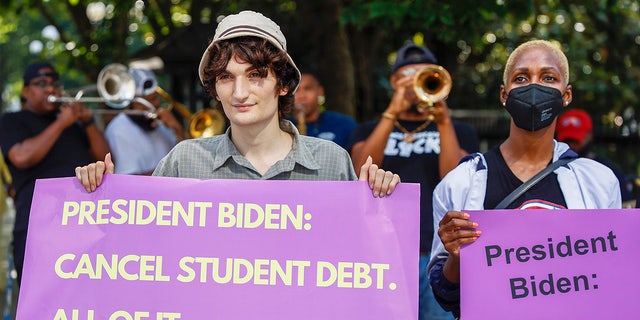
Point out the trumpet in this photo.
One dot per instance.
(431, 84)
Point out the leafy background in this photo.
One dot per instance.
(350, 44)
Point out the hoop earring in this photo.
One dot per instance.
(321, 101)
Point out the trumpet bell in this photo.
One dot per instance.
(432, 84)
(206, 123)
(116, 86)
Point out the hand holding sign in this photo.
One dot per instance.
(90, 176)
(455, 230)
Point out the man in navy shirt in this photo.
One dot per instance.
(310, 115)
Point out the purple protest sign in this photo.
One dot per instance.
(170, 248)
(541, 264)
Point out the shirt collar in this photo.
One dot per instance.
(299, 153)
(225, 150)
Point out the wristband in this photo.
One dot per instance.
(388, 116)
(87, 123)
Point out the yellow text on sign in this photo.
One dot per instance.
(135, 212)
(352, 275)
(126, 267)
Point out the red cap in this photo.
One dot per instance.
(573, 125)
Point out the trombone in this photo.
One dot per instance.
(431, 84)
(115, 85)
(117, 88)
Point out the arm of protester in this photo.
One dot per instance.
(455, 230)
(31, 151)
(172, 123)
(380, 181)
(97, 143)
(90, 176)
(450, 150)
(374, 145)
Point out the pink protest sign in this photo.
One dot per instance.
(170, 248)
(541, 264)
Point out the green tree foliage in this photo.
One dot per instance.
(471, 38)
(350, 44)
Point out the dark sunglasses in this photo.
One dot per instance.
(43, 84)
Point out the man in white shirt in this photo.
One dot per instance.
(137, 141)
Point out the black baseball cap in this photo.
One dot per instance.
(34, 71)
(412, 54)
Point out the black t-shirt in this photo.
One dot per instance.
(72, 149)
(417, 162)
(546, 194)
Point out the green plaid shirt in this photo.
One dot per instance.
(217, 158)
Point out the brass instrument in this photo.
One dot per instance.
(117, 88)
(6, 184)
(300, 118)
(207, 122)
(431, 84)
(115, 85)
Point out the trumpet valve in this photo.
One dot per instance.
(426, 106)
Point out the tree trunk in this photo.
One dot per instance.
(320, 23)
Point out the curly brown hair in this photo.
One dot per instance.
(261, 54)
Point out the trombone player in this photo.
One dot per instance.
(137, 141)
(419, 141)
(44, 140)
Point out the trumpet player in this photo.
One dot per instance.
(137, 141)
(420, 144)
(44, 140)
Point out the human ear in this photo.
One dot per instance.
(503, 95)
(568, 95)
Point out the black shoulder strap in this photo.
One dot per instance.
(531, 182)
